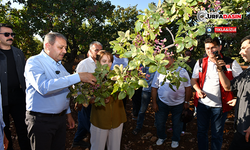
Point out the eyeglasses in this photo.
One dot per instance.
(6, 34)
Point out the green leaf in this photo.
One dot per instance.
(201, 31)
(180, 27)
(184, 79)
(226, 9)
(125, 86)
(162, 21)
(152, 7)
(132, 65)
(116, 87)
(187, 39)
(156, 16)
(156, 24)
(159, 57)
(180, 47)
(179, 39)
(138, 26)
(80, 99)
(121, 95)
(127, 34)
(144, 47)
(173, 9)
(102, 102)
(185, 17)
(152, 35)
(128, 54)
(131, 92)
(171, 87)
(152, 68)
(173, 18)
(195, 42)
(188, 10)
(143, 83)
(97, 99)
(121, 34)
(189, 44)
(159, 3)
(117, 69)
(193, 3)
(164, 62)
(162, 70)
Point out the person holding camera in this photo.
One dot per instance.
(242, 108)
(210, 98)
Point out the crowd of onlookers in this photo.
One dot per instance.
(34, 93)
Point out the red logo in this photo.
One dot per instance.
(232, 16)
(225, 29)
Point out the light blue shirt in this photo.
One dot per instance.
(148, 79)
(119, 61)
(46, 90)
(1, 121)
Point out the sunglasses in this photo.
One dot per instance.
(6, 34)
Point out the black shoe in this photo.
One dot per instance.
(81, 144)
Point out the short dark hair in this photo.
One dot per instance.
(244, 39)
(215, 41)
(5, 25)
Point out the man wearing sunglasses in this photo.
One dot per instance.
(12, 62)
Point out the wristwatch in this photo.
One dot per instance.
(186, 102)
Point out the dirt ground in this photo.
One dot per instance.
(146, 139)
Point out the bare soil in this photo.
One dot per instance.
(146, 139)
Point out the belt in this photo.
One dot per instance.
(45, 114)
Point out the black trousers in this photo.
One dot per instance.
(18, 114)
(46, 132)
(136, 99)
(239, 142)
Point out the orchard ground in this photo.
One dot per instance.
(146, 139)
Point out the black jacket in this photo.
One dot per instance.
(20, 64)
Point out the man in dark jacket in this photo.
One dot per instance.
(12, 62)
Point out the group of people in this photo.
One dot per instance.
(34, 93)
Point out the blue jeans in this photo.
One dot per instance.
(145, 99)
(204, 115)
(83, 123)
(162, 116)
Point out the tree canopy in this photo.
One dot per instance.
(81, 21)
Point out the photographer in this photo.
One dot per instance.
(242, 107)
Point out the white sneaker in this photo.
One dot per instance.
(175, 144)
(160, 141)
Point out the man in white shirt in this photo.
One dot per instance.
(211, 100)
(169, 100)
(86, 65)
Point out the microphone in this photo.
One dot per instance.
(57, 72)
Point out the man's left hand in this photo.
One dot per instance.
(5, 142)
(247, 131)
(71, 122)
(186, 106)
